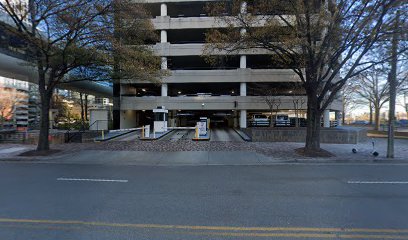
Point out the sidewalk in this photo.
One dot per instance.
(187, 158)
(191, 153)
(13, 150)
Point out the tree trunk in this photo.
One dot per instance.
(343, 117)
(313, 125)
(82, 111)
(377, 118)
(43, 141)
(371, 114)
(86, 107)
(296, 107)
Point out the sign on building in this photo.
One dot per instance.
(202, 128)
(147, 131)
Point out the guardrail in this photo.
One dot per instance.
(126, 129)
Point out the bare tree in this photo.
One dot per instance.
(350, 102)
(298, 100)
(316, 39)
(76, 40)
(272, 98)
(372, 87)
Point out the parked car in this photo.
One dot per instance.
(282, 121)
(403, 122)
(302, 122)
(360, 122)
(259, 120)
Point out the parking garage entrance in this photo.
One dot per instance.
(218, 119)
(187, 118)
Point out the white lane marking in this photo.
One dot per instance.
(92, 180)
(377, 182)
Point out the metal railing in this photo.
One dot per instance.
(98, 125)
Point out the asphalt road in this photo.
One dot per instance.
(132, 136)
(225, 134)
(179, 135)
(59, 201)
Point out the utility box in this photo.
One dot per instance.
(98, 119)
(160, 119)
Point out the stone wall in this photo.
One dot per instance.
(328, 135)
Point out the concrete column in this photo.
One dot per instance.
(339, 118)
(326, 118)
(235, 119)
(164, 63)
(164, 90)
(243, 58)
(127, 119)
(243, 119)
(163, 9)
(172, 118)
(163, 36)
(244, 7)
(243, 89)
(243, 61)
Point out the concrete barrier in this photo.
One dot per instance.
(340, 135)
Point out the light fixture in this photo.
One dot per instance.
(144, 90)
(143, 110)
(232, 91)
(290, 91)
(179, 92)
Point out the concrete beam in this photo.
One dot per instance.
(210, 103)
(228, 76)
(166, 23)
(196, 49)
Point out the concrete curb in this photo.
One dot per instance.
(243, 135)
(113, 137)
(158, 138)
(270, 161)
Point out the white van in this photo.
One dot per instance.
(259, 120)
(282, 121)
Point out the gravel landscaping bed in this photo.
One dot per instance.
(283, 150)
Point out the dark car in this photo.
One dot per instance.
(403, 122)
